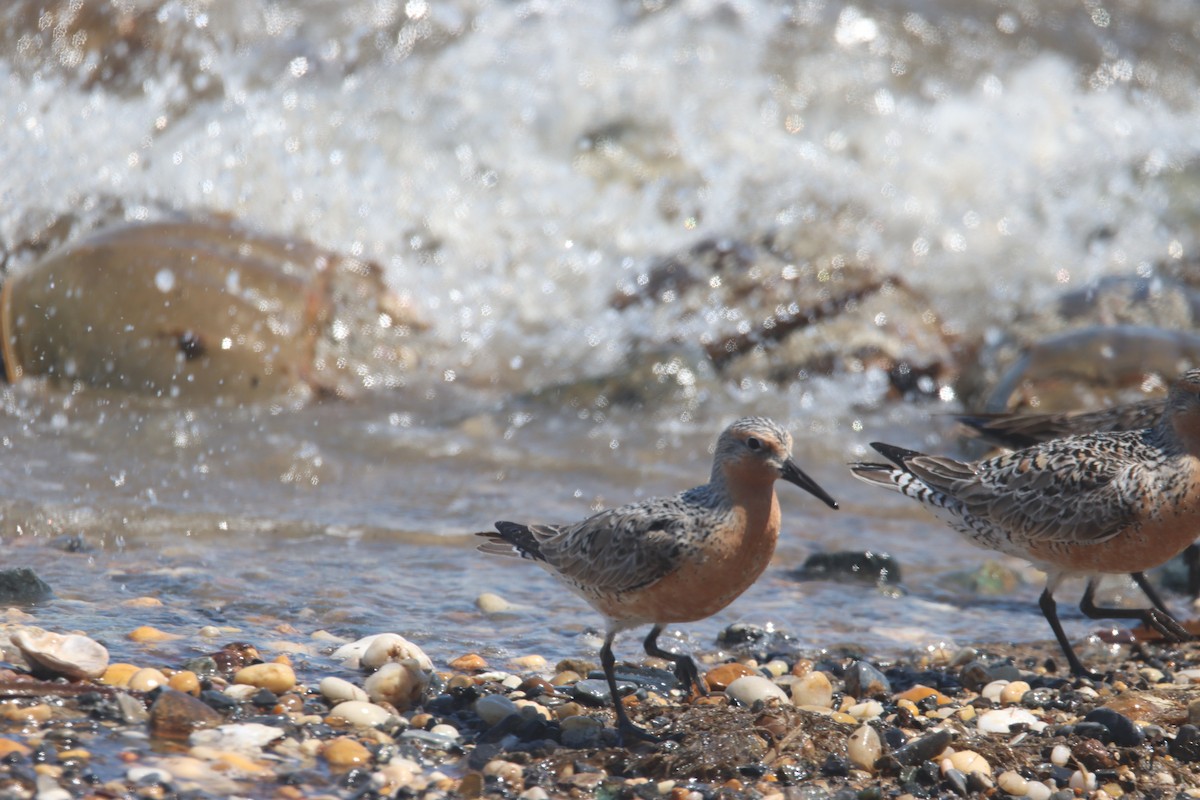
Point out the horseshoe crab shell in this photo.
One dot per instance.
(202, 310)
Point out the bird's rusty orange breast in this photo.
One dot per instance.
(728, 561)
(1165, 526)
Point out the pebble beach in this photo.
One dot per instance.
(262, 719)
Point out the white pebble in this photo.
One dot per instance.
(338, 690)
(1001, 720)
(402, 683)
(968, 761)
(240, 691)
(864, 747)
(449, 731)
(243, 737)
(1036, 790)
(871, 709)
(490, 603)
(1060, 755)
(749, 689)
(1081, 781)
(992, 690)
(356, 712)
(1014, 692)
(139, 774)
(1011, 782)
(813, 689)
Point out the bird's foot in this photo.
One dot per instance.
(1166, 625)
(627, 732)
(688, 675)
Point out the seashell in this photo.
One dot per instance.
(72, 655)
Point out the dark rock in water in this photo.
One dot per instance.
(758, 642)
(850, 566)
(656, 680)
(977, 674)
(1122, 729)
(175, 715)
(1186, 744)
(864, 680)
(21, 587)
(916, 752)
(835, 766)
(957, 782)
(594, 691)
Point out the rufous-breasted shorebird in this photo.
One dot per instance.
(1016, 430)
(671, 559)
(1101, 503)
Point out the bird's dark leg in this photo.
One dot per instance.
(625, 726)
(1050, 612)
(685, 667)
(1191, 557)
(1155, 618)
(1151, 593)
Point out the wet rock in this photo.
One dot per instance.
(244, 737)
(146, 679)
(232, 657)
(147, 634)
(977, 674)
(919, 750)
(20, 586)
(813, 689)
(337, 690)
(72, 656)
(132, 710)
(751, 689)
(1122, 730)
(594, 691)
(358, 712)
(275, 677)
(494, 707)
(849, 566)
(969, 762)
(175, 715)
(759, 642)
(344, 753)
(403, 684)
(206, 310)
(185, 681)
(864, 747)
(439, 741)
(372, 652)
(865, 680)
(718, 678)
(471, 662)
(655, 680)
(1186, 744)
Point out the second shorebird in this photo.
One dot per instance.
(1102, 503)
(671, 559)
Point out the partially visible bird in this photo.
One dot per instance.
(1101, 503)
(672, 559)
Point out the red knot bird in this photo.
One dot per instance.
(1014, 430)
(1100, 503)
(671, 559)
(1017, 430)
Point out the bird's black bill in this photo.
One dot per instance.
(793, 474)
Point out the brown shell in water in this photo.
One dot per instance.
(202, 310)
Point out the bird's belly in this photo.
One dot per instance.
(1136, 549)
(698, 589)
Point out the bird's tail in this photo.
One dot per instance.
(512, 539)
(885, 475)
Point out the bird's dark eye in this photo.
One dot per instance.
(753, 443)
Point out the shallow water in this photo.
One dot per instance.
(512, 166)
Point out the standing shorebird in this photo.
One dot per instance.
(1101, 503)
(1023, 430)
(671, 559)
